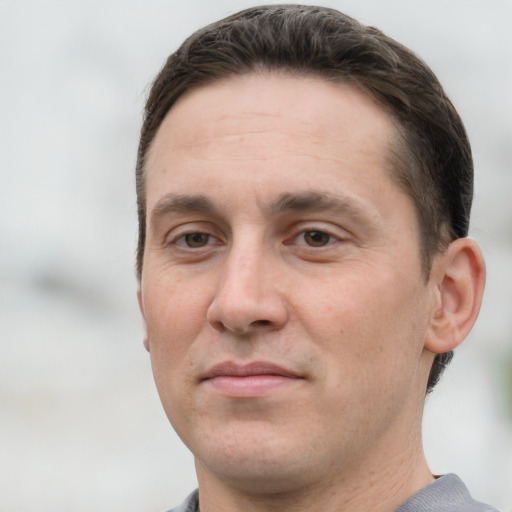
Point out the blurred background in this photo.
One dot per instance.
(81, 426)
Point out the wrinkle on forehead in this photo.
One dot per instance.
(222, 117)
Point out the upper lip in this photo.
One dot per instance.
(233, 369)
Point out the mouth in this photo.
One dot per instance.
(249, 380)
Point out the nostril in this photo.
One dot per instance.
(261, 323)
(219, 326)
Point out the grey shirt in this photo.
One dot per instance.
(446, 494)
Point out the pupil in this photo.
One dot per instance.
(196, 239)
(316, 238)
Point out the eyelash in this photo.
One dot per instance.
(184, 240)
(305, 233)
(185, 237)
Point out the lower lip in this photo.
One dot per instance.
(249, 386)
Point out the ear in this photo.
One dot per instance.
(141, 308)
(458, 275)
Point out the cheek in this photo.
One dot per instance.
(368, 321)
(173, 321)
(173, 312)
(174, 317)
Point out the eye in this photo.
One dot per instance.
(194, 240)
(315, 238)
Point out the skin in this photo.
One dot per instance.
(276, 235)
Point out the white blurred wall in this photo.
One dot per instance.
(81, 427)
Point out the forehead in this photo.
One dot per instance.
(266, 127)
(271, 104)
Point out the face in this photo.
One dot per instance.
(282, 290)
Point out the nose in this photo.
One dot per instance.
(248, 297)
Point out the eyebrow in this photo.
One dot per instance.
(172, 203)
(287, 202)
(320, 201)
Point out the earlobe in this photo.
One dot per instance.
(141, 308)
(459, 276)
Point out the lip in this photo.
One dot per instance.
(254, 379)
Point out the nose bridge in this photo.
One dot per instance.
(247, 296)
(245, 263)
(243, 279)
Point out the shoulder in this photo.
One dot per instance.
(189, 505)
(446, 494)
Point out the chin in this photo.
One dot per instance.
(260, 465)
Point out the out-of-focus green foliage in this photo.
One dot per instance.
(505, 381)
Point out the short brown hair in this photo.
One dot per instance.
(432, 158)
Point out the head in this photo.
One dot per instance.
(304, 187)
(431, 154)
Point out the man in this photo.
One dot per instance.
(304, 188)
